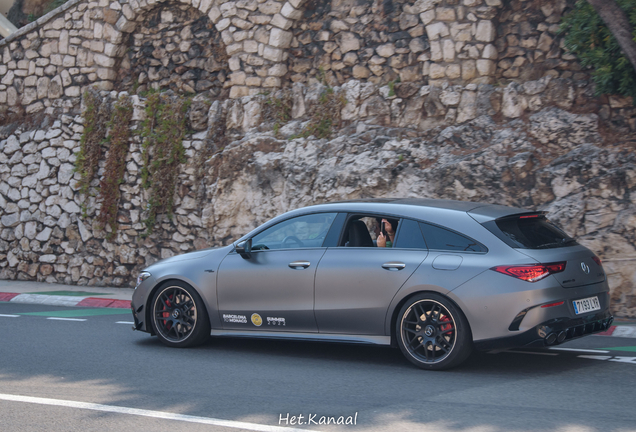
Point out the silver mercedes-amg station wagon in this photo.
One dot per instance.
(435, 278)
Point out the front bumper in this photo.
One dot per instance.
(138, 317)
(552, 332)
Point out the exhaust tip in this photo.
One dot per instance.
(561, 336)
(610, 321)
(550, 339)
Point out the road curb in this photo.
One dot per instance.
(627, 331)
(57, 300)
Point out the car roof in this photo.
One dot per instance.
(479, 210)
(449, 213)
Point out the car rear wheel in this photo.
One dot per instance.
(179, 317)
(433, 333)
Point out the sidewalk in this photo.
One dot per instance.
(64, 295)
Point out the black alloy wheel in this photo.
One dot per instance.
(433, 333)
(179, 317)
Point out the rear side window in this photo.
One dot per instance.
(439, 238)
(531, 232)
(410, 236)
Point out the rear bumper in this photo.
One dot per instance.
(552, 332)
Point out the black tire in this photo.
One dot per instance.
(432, 332)
(178, 316)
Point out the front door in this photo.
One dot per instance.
(273, 289)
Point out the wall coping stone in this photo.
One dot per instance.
(39, 22)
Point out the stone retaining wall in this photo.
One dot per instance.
(549, 159)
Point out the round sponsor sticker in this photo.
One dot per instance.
(257, 320)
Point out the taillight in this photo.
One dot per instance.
(531, 273)
(597, 260)
(552, 304)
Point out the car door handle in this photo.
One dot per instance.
(297, 264)
(393, 266)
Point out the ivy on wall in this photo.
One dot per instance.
(96, 114)
(115, 163)
(326, 115)
(162, 132)
(278, 109)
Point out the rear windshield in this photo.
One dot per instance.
(530, 232)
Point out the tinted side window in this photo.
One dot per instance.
(410, 236)
(442, 239)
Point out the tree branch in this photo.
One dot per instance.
(616, 21)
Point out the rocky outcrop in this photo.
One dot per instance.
(555, 161)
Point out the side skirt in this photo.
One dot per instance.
(364, 339)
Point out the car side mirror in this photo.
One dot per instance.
(244, 248)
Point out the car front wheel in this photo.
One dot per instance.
(179, 317)
(433, 333)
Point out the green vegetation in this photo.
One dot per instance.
(119, 133)
(95, 119)
(589, 38)
(325, 115)
(54, 4)
(162, 132)
(278, 109)
(391, 85)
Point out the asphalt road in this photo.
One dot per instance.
(101, 361)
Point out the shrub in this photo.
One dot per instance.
(119, 133)
(589, 38)
(163, 152)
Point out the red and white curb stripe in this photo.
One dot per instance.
(57, 300)
(627, 331)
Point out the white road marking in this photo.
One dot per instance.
(125, 322)
(66, 319)
(621, 359)
(532, 352)
(595, 357)
(9, 316)
(149, 413)
(580, 350)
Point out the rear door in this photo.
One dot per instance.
(355, 285)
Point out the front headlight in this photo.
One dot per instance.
(142, 277)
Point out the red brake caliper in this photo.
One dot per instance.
(167, 314)
(445, 327)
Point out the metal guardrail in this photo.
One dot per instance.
(6, 26)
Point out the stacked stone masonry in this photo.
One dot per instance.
(461, 99)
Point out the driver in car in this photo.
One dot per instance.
(385, 226)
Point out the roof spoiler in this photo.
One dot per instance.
(491, 212)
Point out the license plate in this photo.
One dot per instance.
(586, 305)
